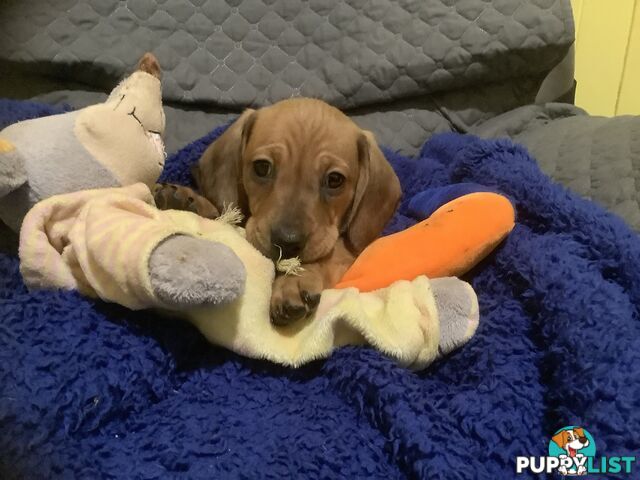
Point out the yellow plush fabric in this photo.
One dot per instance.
(100, 242)
(95, 241)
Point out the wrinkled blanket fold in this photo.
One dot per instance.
(89, 390)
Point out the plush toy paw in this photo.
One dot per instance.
(191, 272)
(458, 312)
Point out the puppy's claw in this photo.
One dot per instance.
(287, 313)
(295, 297)
(294, 312)
(310, 300)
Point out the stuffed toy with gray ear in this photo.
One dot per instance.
(111, 144)
(115, 245)
(86, 153)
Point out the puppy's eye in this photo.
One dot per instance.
(262, 168)
(334, 180)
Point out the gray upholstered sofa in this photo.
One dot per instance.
(405, 69)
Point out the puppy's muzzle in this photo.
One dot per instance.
(288, 240)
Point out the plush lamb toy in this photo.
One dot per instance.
(114, 244)
(115, 143)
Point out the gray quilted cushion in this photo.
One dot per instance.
(597, 157)
(402, 125)
(403, 130)
(254, 52)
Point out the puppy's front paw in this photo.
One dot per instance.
(294, 297)
(175, 197)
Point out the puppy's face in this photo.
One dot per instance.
(300, 168)
(574, 439)
(304, 174)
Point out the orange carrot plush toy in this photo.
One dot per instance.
(451, 241)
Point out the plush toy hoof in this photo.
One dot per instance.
(192, 272)
(458, 312)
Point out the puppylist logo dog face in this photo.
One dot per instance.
(572, 452)
(572, 444)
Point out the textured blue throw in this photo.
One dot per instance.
(91, 391)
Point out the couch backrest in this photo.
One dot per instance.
(237, 53)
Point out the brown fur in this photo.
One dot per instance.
(562, 438)
(304, 140)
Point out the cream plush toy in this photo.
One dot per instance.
(115, 143)
(114, 244)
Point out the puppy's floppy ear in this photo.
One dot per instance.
(376, 195)
(218, 174)
(561, 439)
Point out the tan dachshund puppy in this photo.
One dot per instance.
(311, 184)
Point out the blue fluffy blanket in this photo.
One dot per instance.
(90, 390)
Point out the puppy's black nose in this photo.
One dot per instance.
(287, 239)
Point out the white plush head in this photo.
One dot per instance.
(111, 144)
(124, 133)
